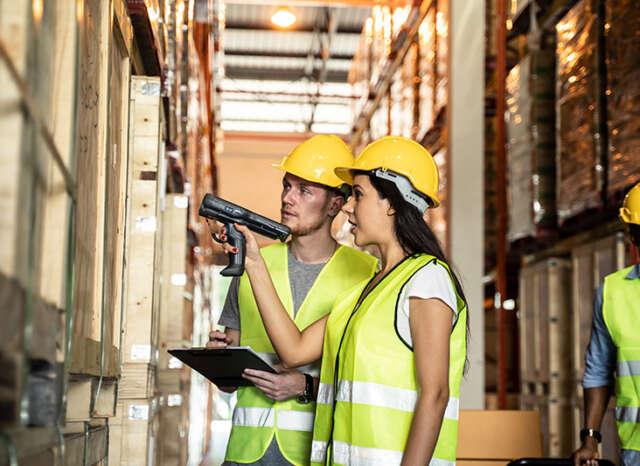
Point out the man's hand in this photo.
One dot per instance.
(587, 454)
(286, 384)
(218, 340)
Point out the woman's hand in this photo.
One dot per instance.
(252, 251)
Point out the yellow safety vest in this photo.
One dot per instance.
(364, 412)
(621, 312)
(256, 418)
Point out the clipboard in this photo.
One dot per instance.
(223, 366)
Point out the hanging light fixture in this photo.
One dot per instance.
(283, 17)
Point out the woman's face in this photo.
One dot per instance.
(370, 216)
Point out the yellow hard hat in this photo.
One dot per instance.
(316, 159)
(630, 210)
(400, 155)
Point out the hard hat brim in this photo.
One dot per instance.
(345, 174)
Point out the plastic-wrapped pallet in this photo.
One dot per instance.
(579, 172)
(531, 147)
(437, 218)
(622, 49)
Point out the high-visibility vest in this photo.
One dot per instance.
(256, 418)
(621, 312)
(364, 411)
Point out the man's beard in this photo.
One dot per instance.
(304, 230)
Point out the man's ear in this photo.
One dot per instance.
(335, 204)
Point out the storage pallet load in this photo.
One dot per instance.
(134, 428)
(556, 308)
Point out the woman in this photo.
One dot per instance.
(393, 349)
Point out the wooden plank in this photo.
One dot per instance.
(124, 23)
(79, 394)
(87, 354)
(141, 290)
(559, 327)
(526, 326)
(138, 381)
(91, 142)
(116, 185)
(583, 290)
(173, 419)
(14, 33)
(60, 17)
(86, 448)
(34, 446)
(560, 427)
(174, 247)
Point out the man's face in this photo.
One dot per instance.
(306, 206)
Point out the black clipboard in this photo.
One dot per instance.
(223, 366)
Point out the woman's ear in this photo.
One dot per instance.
(390, 210)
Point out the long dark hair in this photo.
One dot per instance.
(413, 233)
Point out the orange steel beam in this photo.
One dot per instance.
(501, 282)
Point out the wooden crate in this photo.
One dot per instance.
(171, 331)
(141, 287)
(35, 125)
(591, 263)
(173, 428)
(545, 322)
(104, 48)
(133, 432)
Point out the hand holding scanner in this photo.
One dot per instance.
(228, 213)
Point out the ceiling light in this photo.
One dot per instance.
(283, 17)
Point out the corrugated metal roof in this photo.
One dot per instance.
(260, 57)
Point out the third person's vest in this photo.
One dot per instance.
(621, 312)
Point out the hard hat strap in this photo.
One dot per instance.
(405, 187)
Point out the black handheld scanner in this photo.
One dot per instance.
(215, 208)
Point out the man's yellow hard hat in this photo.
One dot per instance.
(630, 210)
(403, 156)
(316, 159)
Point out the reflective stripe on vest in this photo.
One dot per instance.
(264, 417)
(384, 396)
(256, 418)
(378, 398)
(621, 313)
(628, 369)
(361, 456)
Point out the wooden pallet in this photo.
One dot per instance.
(545, 320)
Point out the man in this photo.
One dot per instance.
(273, 421)
(615, 347)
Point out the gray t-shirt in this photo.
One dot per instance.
(301, 279)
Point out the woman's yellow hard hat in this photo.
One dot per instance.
(403, 156)
(316, 159)
(630, 210)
